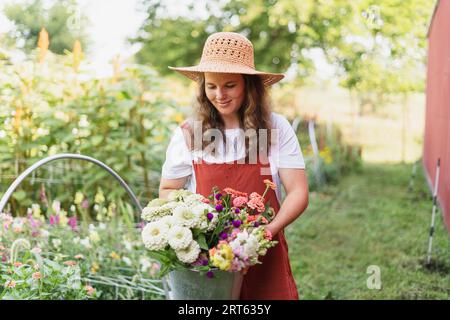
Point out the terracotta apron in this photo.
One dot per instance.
(273, 279)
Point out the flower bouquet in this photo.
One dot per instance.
(219, 237)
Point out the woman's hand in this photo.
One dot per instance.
(271, 229)
(296, 185)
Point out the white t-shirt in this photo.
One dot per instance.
(284, 154)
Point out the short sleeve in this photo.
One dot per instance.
(288, 152)
(178, 161)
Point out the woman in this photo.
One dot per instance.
(250, 144)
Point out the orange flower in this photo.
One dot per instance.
(37, 275)
(235, 193)
(43, 43)
(70, 263)
(114, 255)
(77, 54)
(89, 290)
(270, 184)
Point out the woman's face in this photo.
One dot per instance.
(226, 91)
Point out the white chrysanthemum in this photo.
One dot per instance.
(190, 254)
(201, 209)
(155, 213)
(193, 198)
(158, 202)
(242, 236)
(178, 195)
(148, 213)
(251, 246)
(154, 235)
(169, 221)
(179, 237)
(185, 216)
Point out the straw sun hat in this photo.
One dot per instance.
(228, 52)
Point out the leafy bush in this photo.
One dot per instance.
(124, 121)
(334, 159)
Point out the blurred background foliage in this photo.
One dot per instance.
(62, 19)
(51, 102)
(377, 47)
(48, 108)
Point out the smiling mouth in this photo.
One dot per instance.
(224, 103)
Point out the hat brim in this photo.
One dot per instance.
(193, 72)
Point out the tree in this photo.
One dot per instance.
(62, 19)
(384, 50)
(173, 40)
(376, 46)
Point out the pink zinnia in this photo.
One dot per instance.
(256, 203)
(240, 201)
(235, 232)
(255, 195)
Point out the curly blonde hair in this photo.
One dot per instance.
(255, 113)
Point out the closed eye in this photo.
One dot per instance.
(227, 86)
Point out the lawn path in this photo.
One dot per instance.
(370, 218)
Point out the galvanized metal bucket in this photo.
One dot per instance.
(192, 285)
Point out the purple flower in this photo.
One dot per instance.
(205, 262)
(85, 204)
(54, 220)
(219, 208)
(210, 216)
(210, 274)
(141, 225)
(42, 195)
(237, 210)
(218, 196)
(256, 224)
(237, 223)
(73, 223)
(34, 224)
(223, 235)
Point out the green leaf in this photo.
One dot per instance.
(19, 195)
(202, 242)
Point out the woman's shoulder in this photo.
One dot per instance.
(188, 123)
(279, 121)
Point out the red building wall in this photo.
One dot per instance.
(437, 124)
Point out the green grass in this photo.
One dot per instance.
(370, 218)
